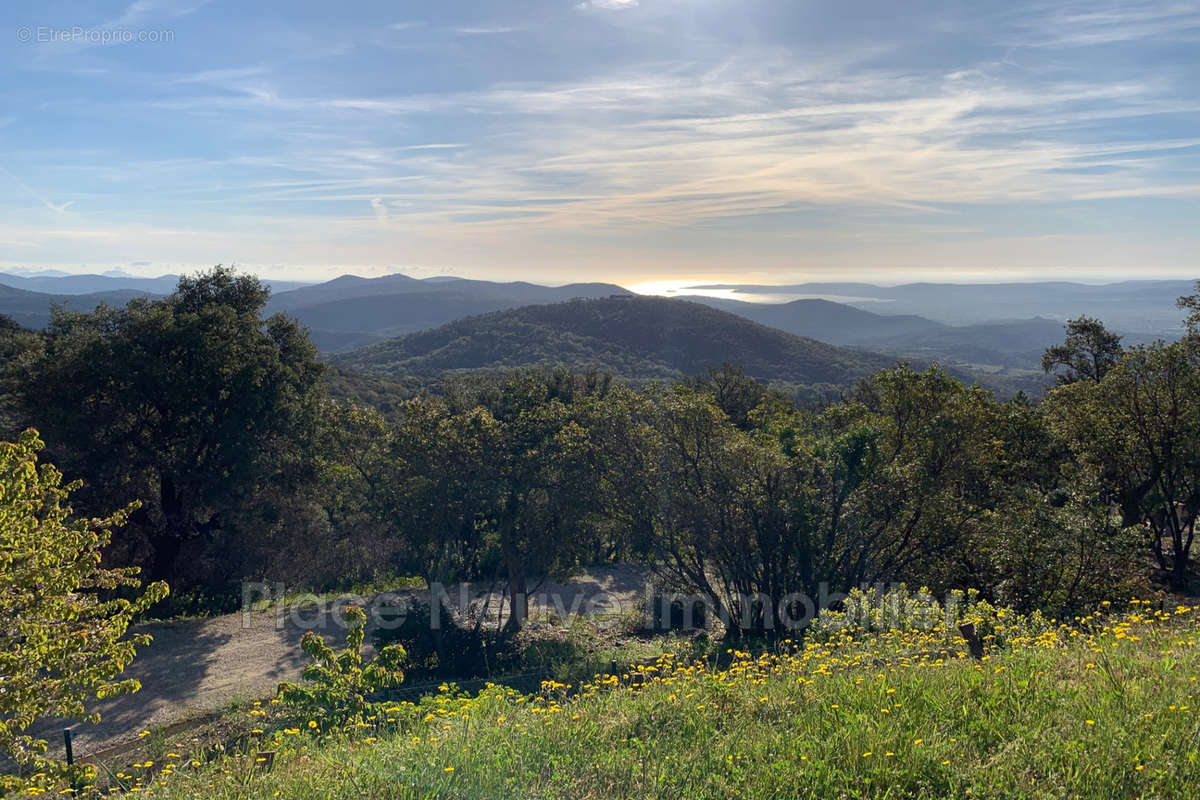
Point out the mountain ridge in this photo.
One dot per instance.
(93, 283)
(633, 336)
(1135, 306)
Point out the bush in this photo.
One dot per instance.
(901, 610)
(450, 650)
(339, 684)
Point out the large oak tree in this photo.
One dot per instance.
(194, 406)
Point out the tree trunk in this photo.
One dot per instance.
(518, 597)
(168, 542)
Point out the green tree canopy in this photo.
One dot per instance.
(63, 641)
(193, 405)
(1191, 304)
(1089, 351)
(536, 476)
(1137, 433)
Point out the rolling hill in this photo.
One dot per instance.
(32, 309)
(835, 323)
(350, 311)
(1134, 306)
(349, 287)
(1015, 345)
(637, 337)
(55, 283)
(1008, 344)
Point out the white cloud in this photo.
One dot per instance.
(487, 30)
(380, 209)
(747, 137)
(606, 5)
(435, 146)
(219, 77)
(142, 11)
(1092, 23)
(707, 147)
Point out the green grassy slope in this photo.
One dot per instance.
(1104, 709)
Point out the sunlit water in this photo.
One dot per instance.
(685, 288)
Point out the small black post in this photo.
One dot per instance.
(974, 643)
(67, 735)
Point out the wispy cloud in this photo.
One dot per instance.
(634, 150)
(674, 131)
(645, 151)
(606, 5)
(219, 77)
(143, 12)
(435, 146)
(1092, 23)
(487, 30)
(56, 208)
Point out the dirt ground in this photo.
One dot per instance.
(198, 666)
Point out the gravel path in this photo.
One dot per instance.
(198, 666)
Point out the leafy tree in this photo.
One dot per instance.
(192, 404)
(734, 392)
(501, 472)
(891, 486)
(339, 685)
(1056, 552)
(63, 641)
(1137, 433)
(356, 467)
(1032, 457)
(1089, 351)
(1191, 304)
(536, 475)
(18, 347)
(721, 521)
(441, 498)
(938, 454)
(625, 471)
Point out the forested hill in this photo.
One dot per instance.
(637, 337)
(32, 309)
(350, 311)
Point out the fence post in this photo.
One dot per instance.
(67, 736)
(974, 644)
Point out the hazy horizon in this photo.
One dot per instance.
(699, 286)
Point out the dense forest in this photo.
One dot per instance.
(222, 426)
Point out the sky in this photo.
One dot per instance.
(643, 142)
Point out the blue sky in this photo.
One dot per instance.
(626, 140)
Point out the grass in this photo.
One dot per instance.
(1105, 708)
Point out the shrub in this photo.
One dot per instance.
(449, 650)
(339, 685)
(900, 609)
